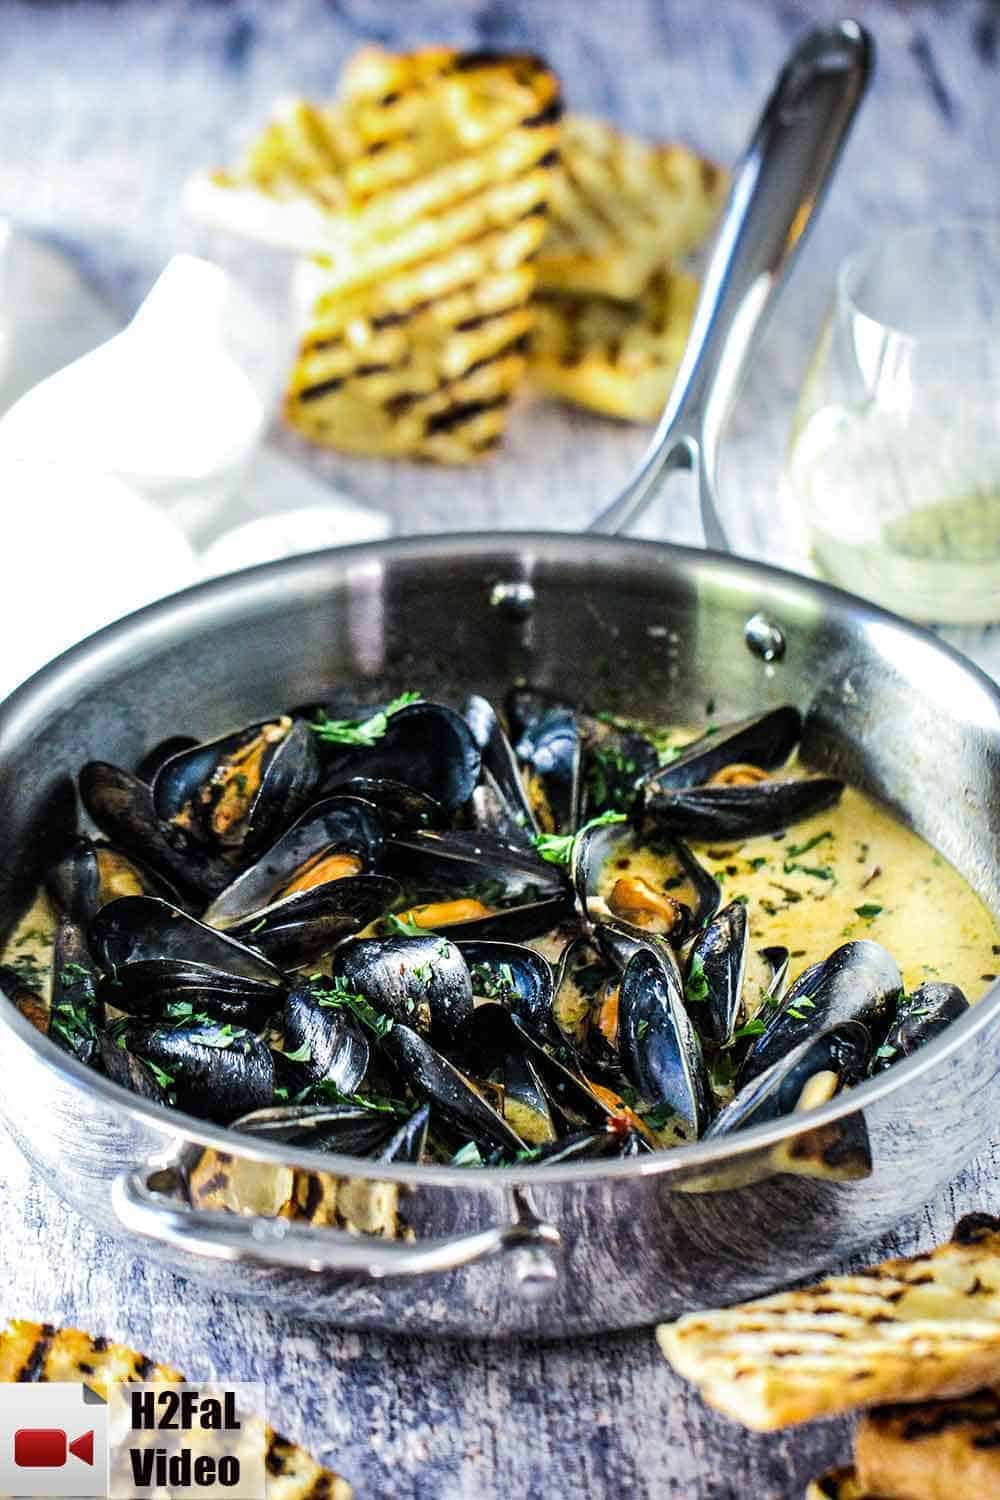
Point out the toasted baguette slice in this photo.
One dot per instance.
(906, 1330)
(622, 208)
(37, 1351)
(619, 358)
(937, 1450)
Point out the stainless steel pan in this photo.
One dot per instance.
(642, 627)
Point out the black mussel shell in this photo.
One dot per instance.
(91, 874)
(426, 746)
(589, 1145)
(546, 739)
(842, 1053)
(422, 981)
(76, 1012)
(171, 989)
(777, 959)
(323, 1037)
(518, 895)
(122, 807)
(918, 1018)
(618, 943)
(716, 967)
(452, 1096)
(860, 981)
(401, 808)
(124, 1068)
(410, 1140)
(500, 802)
(136, 928)
(304, 857)
(515, 977)
(660, 1051)
(303, 929)
(766, 740)
(214, 1072)
(236, 793)
(738, 812)
(148, 768)
(579, 974)
(339, 1128)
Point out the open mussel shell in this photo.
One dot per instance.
(164, 750)
(546, 739)
(660, 1051)
(122, 807)
(347, 1129)
(738, 812)
(90, 874)
(636, 899)
(500, 802)
(580, 972)
(716, 969)
(215, 1072)
(332, 840)
(810, 1074)
(303, 929)
(236, 793)
(496, 1050)
(504, 893)
(137, 928)
(76, 1011)
(516, 977)
(453, 1098)
(409, 1141)
(401, 808)
(918, 1018)
(426, 746)
(422, 981)
(766, 740)
(172, 989)
(860, 981)
(124, 1068)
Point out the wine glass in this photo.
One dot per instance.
(894, 455)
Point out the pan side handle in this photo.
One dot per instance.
(144, 1206)
(777, 187)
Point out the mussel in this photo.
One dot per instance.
(737, 812)
(91, 874)
(860, 981)
(76, 1012)
(235, 794)
(144, 928)
(323, 1037)
(715, 973)
(423, 981)
(808, 1075)
(500, 803)
(453, 1097)
(645, 881)
(918, 1018)
(347, 1129)
(215, 1072)
(332, 840)
(765, 741)
(659, 1047)
(306, 927)
(425, 745)
(515, 977)
(546, 740)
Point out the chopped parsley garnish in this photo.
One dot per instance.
(338, 997)
(753, 1027)
(642, 1028)
(301, 1054)
(468, 1156)
(818, 872)
(795, 851)
(558, 848)
(869, 911)
(360, 731)
(886, 1050)
(696, 983)
(258, 925)
(404, 926)
(163, 1078)
(493, 984)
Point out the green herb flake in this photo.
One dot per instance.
(301, 1054)
(557, 848)
(338, 997)
(468, 1156)
(404, 926)
(869, 910)
(696, 983)
(795, 851)
(365, 732)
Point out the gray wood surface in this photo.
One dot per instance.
(104, 109)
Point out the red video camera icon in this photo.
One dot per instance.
(48, 1448)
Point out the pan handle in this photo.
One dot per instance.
(143, 1205)
(777, 187)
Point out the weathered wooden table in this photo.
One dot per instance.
(104, 109)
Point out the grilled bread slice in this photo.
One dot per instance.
(839, 1484)
(38, 1351)
(622, 209)
(906, 1330)
(619, 358)
(936, 1450)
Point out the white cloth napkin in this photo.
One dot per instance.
(132, 462)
